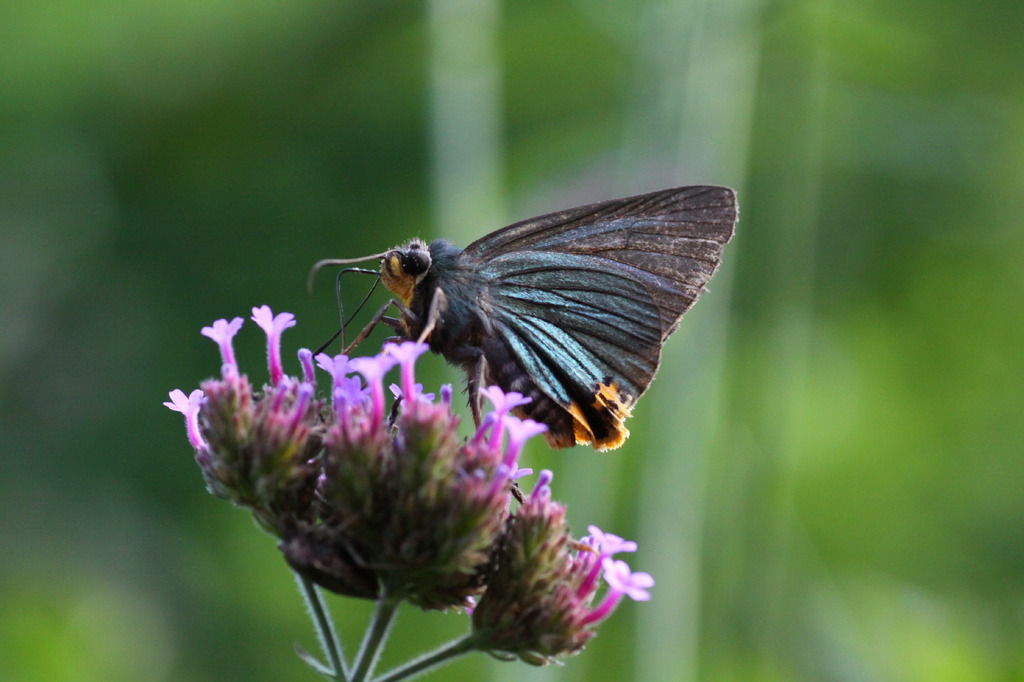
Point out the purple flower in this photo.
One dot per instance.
(486, 424)
(411, 498)
(518, 473)
(622, 582)
(284, 426)
(538, 603)
(302, 400)
(620, 579)
(373, 370)
(503, 403)
(222, 332)
(605, 545)
(306, 360)
(346, 489)
(346, 391)
(405, 354)
(349, 393)
(335, 366)
(543, 486)
(519, 431)
(531, 608)
(189, 406)
(273, 325)
(608, 544)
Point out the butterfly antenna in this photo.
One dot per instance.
(327, 262)
(362, 303)
(341, 306)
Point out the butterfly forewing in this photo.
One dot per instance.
(585, 298)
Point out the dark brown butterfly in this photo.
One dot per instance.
(571, 308)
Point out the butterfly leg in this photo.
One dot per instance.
(437, 306)
(473, 386)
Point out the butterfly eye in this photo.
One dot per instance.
(415, 262)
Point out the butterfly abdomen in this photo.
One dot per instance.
(505, 371)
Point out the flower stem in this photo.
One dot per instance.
(324, 628)
(376, 635)
(445, 654)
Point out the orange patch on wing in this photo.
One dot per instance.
(614, 408)
(580, 426)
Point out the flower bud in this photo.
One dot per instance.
(538, 601)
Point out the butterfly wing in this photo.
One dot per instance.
(584, 299)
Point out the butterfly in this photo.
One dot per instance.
(570, 309)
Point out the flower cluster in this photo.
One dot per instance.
(256, 449)
(368, 501)
(538, 604)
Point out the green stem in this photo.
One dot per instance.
(376, 635)
(324, 628)
(445, 654)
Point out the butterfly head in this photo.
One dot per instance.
(403, 267)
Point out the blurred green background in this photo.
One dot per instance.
(825, 479)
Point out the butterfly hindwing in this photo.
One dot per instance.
(602, 323)
(584, 299)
